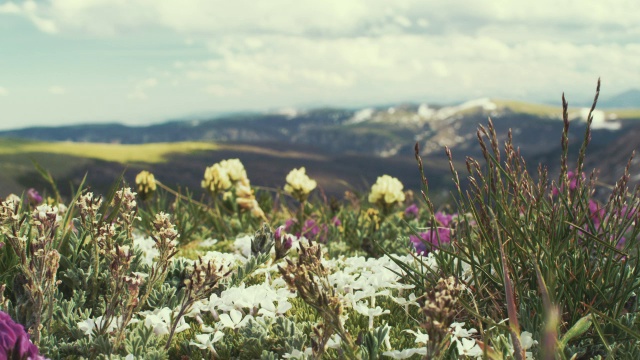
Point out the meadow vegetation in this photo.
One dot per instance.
(516, 266)
(122, 153)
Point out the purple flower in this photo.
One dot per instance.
(631, 212)
(411, 212)
(14, 341)
(573, 183)
(314, 231)
(431, 237)
(596, 213)
(288, 225)
(336, 222)
(33, 197)
(281, 234)
(444, 219)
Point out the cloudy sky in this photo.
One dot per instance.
(72, 61)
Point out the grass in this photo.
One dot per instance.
(121, 153)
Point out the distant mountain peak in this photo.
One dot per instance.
(626, 99)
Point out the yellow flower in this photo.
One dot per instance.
(299, 185)
(216, 178)
(145, 184)
(386, 191)
(373, 216)
(246, 199)
(234, 168)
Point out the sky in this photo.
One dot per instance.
(144, 61)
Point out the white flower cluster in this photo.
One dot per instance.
(360, 284)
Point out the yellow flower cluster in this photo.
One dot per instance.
(299, 185)
(216, 179)
(386, 191)
(227, 173)
(145, 184)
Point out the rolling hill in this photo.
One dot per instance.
(338, 146)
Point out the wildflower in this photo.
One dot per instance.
(314, 231)
(596, 213)
(411, 212)
(299, 185)
(374, 218)
(431, 236)
(405, 354)
(14, 341)
(234, 319)
(12, 198)
(386, 192)
(204, 341)
(526, 338)
(234, 169)
(282, 243)
(33, 197)
(445, 220)
(216, 178)
(247, 200)
(145, 184)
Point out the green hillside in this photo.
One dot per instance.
(121, 153)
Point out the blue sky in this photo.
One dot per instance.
(137, 62)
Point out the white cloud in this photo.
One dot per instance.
(337, 18)
(406, 66)
(281, 53)
(9, 8)
(32, 11)
(57, 90)
(3, 91)
(140, 88)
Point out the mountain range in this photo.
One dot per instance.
(357, 145)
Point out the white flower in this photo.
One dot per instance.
(87, 326)
(468, 347)
(234, 320)
(386, 191)
(208, 242)
(160, 321)
(459, 332)
(148, 247)
(406, 353)
(334, 341)
(299, 185)
(204, 341)
(297, 354)
(526, 340)
(420, 337)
